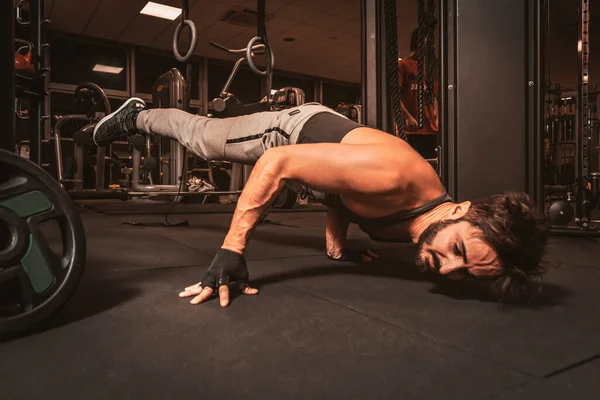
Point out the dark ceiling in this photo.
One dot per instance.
(326, 33)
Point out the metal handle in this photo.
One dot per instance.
(26, 44)
(21, 112)
(440, 160)
(190, 52)
(92, 86)
(225, 49)
(257, 49)
(249, 55)
(18, 7)
(236, 67)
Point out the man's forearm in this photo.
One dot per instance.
(405, 112)
(335, 232)
(260, 191)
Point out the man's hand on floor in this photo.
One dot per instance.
(227, 266)
(355, 256)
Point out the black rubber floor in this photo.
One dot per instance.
(318, 329)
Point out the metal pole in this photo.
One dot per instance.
(261, 31)
(185, 10)
(447, 112)
(204, 86)
(540, 103)
(7, 84)
(583, 123)
(319, 91)
(369, 62)
(535, 100)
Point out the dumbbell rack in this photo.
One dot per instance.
(32, 125)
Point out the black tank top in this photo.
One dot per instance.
(327, 127)
(367, 224)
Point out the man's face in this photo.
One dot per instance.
(455, 250)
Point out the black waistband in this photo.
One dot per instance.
(326, 127)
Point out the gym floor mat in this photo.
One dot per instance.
(156, 207)
(304, 234)
(130, 336)
(318, 329)
(577, 383)
(526, 339)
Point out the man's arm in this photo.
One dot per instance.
(330, 167)
(405, 113)
(373, 167)
(261, 190)
(264, 184)
(336, 230)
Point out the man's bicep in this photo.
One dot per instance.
(338, 168)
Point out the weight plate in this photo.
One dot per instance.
(38, 273)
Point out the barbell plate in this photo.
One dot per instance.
(36, 280)
(37, 267)
(28, 204)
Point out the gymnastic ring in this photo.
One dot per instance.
(190, 52)
(251, 60)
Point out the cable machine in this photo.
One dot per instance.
(582, 128)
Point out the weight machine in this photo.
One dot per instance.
(578, 128)
(146, 177)
(38, 274)
(174, 93)
(31, 76)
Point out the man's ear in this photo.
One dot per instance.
(459, 210)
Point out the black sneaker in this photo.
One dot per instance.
(118, 123)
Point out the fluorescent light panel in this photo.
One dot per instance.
(161, 11)
(107, 69)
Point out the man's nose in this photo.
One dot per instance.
(450, 265)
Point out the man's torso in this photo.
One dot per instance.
(385, 216)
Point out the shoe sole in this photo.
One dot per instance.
(103, 120)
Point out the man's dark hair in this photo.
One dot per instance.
(414, 40)
(518, 232)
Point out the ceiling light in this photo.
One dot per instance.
(161, 11)
(107, 69)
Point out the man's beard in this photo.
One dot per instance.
(427, 238)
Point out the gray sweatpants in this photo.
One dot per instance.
(239, 139)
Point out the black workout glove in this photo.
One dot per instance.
(225, 267)
(355, 256)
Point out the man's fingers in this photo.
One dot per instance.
(371, 254)
(191, 291)
(368, 256)
(248, 290)
(245, 288)
(197, 285)
(203, 296)
(224, 295)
